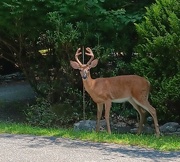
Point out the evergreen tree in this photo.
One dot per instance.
(159, 55)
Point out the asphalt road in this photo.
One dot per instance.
(26, 148)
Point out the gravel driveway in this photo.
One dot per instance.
(26, 148)
(16, 91)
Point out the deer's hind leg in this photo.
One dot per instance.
(144, 103)
(142, 115)
(153, 113)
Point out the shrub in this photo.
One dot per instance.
(46, 114)
(159, 56)
(40, 114)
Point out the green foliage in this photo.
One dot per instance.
(168, 98)
(159, 57)
(59, 28)
(12, 110)
(171, 87)
(66, 114)
(123, 110)
(40, 114)
(46, 114)
(20, 17)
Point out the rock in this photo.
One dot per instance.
(149, 120)
(89, 125)
(134, 130)
(146, 129)
(169, 127)
(119, 129)
(173, 133)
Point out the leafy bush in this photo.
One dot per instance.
(168, 98)
(13, 110)
(58, 28)
(40, 114)
(65, 113)
(159, 56)
(46, 114)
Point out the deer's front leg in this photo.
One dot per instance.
(99, 114)
(107, 111)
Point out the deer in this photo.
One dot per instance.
(118, 89)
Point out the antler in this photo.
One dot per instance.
(76, 56)
(89, 53)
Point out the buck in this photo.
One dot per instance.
(118, 89)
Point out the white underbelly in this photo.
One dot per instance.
(120, 100)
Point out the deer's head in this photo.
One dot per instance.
(84, 68)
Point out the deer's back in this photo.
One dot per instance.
(119, 88)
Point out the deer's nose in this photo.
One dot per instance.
(84, 76)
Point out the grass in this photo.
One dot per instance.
(164, 143)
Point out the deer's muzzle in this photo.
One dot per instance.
(84, 76)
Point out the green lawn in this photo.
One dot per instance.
(164, 143)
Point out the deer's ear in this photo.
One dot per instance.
(74, 65)
(94, 63)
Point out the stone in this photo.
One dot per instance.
(120, 128)
(134, 130)
(89, 125)
(149, 120)
(146, 129)
(169, 127)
